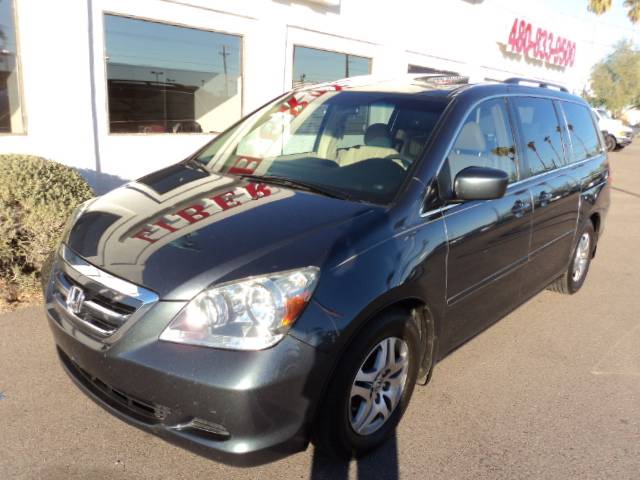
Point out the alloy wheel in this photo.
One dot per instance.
(377, 387)
(581, 260)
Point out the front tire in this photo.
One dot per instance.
(573, 279)
(371, 387)
(611, 142)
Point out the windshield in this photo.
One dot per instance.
(361, 144)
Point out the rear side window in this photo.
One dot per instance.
(582, 132)
(540, 133)
(485, 140)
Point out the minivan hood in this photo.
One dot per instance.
(180, 229)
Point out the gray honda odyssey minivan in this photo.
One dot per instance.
(296, 278)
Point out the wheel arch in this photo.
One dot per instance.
(427, 326)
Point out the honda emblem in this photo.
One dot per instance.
(75, 299)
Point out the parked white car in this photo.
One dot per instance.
(616, 134)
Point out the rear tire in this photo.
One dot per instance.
(575, 275)
(368, 396)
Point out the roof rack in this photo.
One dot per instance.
(540, 83)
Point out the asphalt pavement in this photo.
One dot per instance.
(551, 391)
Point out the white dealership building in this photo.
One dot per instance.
(119, 88)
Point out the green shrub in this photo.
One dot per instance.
(36, 198)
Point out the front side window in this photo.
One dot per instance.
(168, 79)
(11, 117)
(311, 65)
(539, 129)
(584, 138)
(485, 140)
(359, 145)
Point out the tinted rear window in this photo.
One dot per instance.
(540, 133)
(584, 137)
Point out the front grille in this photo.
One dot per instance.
(96, 302)
(142, 410)
(113, 306)
(104, 314)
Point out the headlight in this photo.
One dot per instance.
(249, 314)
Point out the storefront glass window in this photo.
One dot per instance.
(11, 118)
(311, 65)
(169, 79)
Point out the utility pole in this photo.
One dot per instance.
(164, 97)
(157, 74)
(225, 54)
(347, 65)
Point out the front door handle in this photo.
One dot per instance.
(545, 198)
(519, 208)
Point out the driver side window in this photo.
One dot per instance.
(485, 140)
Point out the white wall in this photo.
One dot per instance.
(62, 87)
(56, 86)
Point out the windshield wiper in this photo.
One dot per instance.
(192, 162)
(299, 185)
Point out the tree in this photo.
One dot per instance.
(615, 80)
(602, 6)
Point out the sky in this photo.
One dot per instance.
(615, 18)
(617, 15)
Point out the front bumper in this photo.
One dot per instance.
(257, 406)
(623, 141)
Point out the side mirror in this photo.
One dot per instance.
(480, 183)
